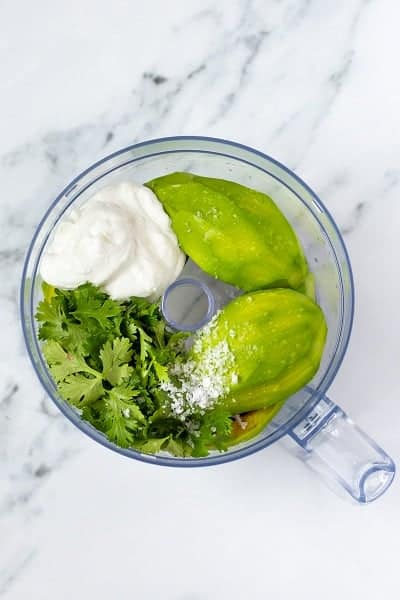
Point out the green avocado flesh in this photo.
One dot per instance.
(233, 233)
(277, 339)
(308, 286)
(252, 423)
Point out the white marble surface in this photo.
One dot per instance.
(313, 83)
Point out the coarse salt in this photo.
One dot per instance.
(199, 384)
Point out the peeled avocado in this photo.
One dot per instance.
(234, 233)
(254, 422)
(277, 339)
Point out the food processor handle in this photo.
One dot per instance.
(341, 453)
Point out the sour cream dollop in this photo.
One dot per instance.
(120, 239)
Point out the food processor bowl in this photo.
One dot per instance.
(328, 440)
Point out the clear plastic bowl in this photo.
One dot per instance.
(307, 415)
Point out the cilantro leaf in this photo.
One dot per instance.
(77, 339)
(151, 445)
(52, 318)
(92, 304)
(161, 370)
(122, 418)
(81, 390)
(177, 447)
(64, 363)
(159, 333)
(115, 357)
(131, 329)
(169, 444)
(145, 344)
(214, 430)
(54, 352)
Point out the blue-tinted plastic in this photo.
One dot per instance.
(181, 284)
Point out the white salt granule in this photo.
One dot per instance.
(200, 383)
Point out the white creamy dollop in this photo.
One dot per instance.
(121, 239)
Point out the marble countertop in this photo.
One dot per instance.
(313, 84)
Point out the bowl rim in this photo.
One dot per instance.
(230, 455)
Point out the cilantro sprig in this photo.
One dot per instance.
(108, 359)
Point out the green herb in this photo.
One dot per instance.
(108, 360)
(214, 431)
